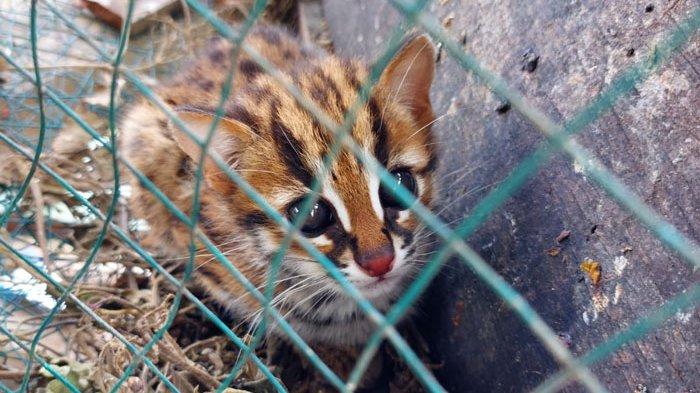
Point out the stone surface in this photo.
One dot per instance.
(649, 139)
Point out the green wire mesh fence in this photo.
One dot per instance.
(44, 105)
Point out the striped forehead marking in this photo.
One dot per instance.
(373, 185)
(332, 196)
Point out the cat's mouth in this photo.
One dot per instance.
(379, 286)
(381, 280)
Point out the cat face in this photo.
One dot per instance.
(279, 148)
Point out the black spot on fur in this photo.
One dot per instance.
(351, 73)
(381, 148)
(260, 93)
(405, 234)
(205, 84)
(270, 35)
(209, 228)
(331, 87)
(249, 69)
(340, 243)
(185, 168)
(217, 56)
(253, 220)
(210, 275)
(207, 222)
(352, 242)
(319, 94)
(290, 150)
(308, 53)
(325, 136)
(137, 143)
(240, 113)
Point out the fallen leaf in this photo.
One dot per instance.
(447, 21)
(146, 12)
(563, 236)
(554, 251)
(592, 268)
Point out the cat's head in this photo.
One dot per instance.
(279, 148)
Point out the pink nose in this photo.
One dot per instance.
(378, 262)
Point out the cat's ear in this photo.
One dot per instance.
(408, 76)
(228, 141)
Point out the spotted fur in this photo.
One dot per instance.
(278, 147)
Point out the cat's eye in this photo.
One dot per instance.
(404, 178)
(319, 218)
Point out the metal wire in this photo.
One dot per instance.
(559, 137)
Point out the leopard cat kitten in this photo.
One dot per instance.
(278, 147)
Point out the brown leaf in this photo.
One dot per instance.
(447, 21)
(113, 12)
(563, 236)
(554, 251)
(592, 268)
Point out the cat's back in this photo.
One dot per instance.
(202, 81)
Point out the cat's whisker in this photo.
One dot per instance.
(430, 124)
(464, 172)
(466, 194)
(275, 302)
(215, 257)
(304, 300)
(221, 245)
(313, 308)
(255, 171)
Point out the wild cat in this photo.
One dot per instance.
(278, 147)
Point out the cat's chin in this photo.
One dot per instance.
(380, 287)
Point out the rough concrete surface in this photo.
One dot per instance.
(649, 140)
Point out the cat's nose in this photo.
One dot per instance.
(377, 262)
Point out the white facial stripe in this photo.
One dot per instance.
(403, 216)
(410, 158)
(333, 197)
(373, 185)
(400, 259)
(420, 183)
(321, 241)
(283, 197)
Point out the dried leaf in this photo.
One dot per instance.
(447, 21)
(592, 268)
(113, 12)
(554, 251)
(563, 236)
